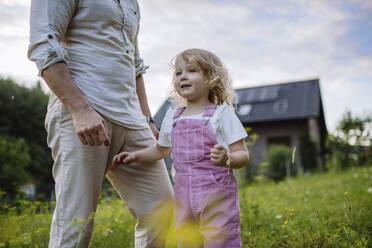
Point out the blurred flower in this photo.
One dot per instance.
(285, 224)
(263, 164)
(346, 193)
(278, 216)
(81, 221)
(369, 190)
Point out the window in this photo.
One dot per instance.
(262, 94)
(244, 109)
(280, 106)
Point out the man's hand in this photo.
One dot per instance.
(219, 155)
(154, 130)
(90, 127)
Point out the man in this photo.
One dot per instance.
(87, 52)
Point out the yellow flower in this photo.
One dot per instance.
(346, 193)
(81, 221)
(264, 164)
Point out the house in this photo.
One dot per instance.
(287, 113)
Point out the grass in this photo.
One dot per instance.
(321, 210)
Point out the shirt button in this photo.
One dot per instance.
(50, 36)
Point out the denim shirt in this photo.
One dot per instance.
(97, 39)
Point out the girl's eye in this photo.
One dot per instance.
(192, 70)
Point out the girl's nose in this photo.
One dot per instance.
(183, 76)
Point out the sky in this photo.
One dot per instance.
(259, 41)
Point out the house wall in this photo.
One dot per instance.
(315, 135)
(270, 130)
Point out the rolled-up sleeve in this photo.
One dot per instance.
(49, 20)
(138, 61)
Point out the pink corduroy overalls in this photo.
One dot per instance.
(205, 194)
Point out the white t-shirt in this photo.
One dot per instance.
(226, 126)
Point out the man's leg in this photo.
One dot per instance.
(78, 171)
(145, 188)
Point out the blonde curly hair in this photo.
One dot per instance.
(216, 75)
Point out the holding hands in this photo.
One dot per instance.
(219, 155)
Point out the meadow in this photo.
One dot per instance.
(332, 209)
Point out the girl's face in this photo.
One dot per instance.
(189, 81)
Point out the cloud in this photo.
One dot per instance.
(259, 41)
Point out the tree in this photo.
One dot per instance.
(14, 158)
(352, 142)
(23, 112)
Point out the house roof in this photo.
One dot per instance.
(275, 102)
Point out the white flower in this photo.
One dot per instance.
(356, 175)
(278, 216)
(369, 190)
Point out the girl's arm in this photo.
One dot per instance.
(238, 154)
(147, 155)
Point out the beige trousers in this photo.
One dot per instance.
(79, 171)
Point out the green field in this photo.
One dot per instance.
(322, 210)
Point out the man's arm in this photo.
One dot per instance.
(141, 92)
(89, 125)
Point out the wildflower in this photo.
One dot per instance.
(278, 216)
(258, 178)
(81, 221)
(263, 164)
(356, 175)
(346, 193)
(73, 222)
(285, 224)
(107, 232)
(369, 190)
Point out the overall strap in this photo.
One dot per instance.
(208, 113)
(177, 114)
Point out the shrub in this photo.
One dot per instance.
(278, 158)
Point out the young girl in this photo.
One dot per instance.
(206, 140)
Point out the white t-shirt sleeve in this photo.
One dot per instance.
(230, 126)
(166, 129)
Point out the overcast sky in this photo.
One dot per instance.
(259, 41)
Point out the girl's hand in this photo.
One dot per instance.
(123, 158)
(219, 155)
